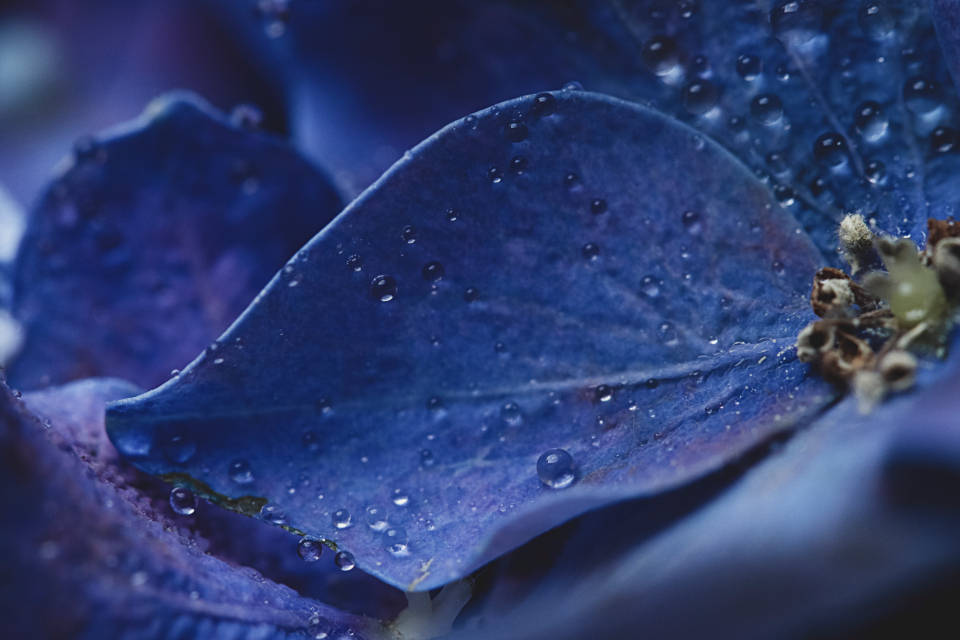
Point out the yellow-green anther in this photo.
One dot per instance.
(913, 290)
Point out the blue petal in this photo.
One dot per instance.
(597, 278)
(366, 84)
(89, 557)
(849, 527)
(153, 240)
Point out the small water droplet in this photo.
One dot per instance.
(749, 66)
(452, 214)
(691, 222)
(598, 206)
(240, 472)
(591, 251)
(383, 288)
(344, 560)
(426, 458)
(649, 286)
(495, 175)
(796, 22)
(341, 519)
(573, 85)
(518, 165)
(471, 294)
(376, 519)
(409, 234)
(516, 131)
(400, 497)
(178, 448)
(943, 140)
(876, 19)
(543, 104)
(830, 149)
(603, 393)
(182, 501)
(669, 335)
(700, 96)
(555, 469)
(921, 95)
(511, 414)
(309, 549)
(432, 271)
(354, 262)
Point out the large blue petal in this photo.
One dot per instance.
(153, 240)
(563, 271)
(366, 83)
(849, 527)
(87, 557)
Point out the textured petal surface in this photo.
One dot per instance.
(152, 241)
(92, 558)
(848, 530)
(764, 79)
(544, 274)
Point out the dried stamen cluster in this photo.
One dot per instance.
(866, 328)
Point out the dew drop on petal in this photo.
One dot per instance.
(383, 288)
(240, 472)
(555, 469)
(344, 560)
(182, 501)
(309, 549)
(341, 519)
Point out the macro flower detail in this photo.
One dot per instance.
(663, 345)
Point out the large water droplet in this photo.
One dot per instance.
(876, 19)
(543, 104)
(341, 519)
(397, 542)
(309, 549)
(273, 514)
(383, 288)
(766, 108)
(660, 55)
(344, 560)
(555, 469)
(796, 22)
(376, 519)
(182, 501)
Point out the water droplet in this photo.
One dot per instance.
(660, 55)
(178, 448)
(516, 131)
(397, 542)
(246, 116)
(649, 286)
(341, 519)
(274, 14)
(870, 121)
(876, 19)
(88, 148)
(344, 560)
(426, 458)
(400, 498)
(309, 549)
(555, 469)
(830, 149)
(796, 22)
(875, 171)
(273, 514)
(691, 221)
(921, 95)
(471, 294)
(495, 175)
(240, 472)
(603, 393)
(591, 251)
(571, 181)
(518, 165)
(310, 440)
(669, 335)
(943, 140)
(766, 108)
(319, 628)
(432, 271)
(543, 104)
(749, 66)
(182, 501)
(376, 519)
(598, 206)
(409, 234)
(383, 288)
(452, 214)
(511, 414)
(700, 97)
